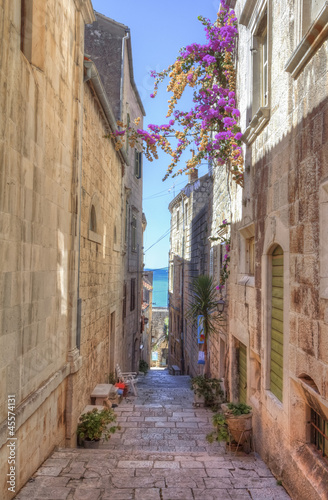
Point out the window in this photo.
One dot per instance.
(277, 323)
(137, 164)
(171, 275)
(251, 255)
(134, 233)
(258, 106)
(126, 222)
(186, 214)
(178, 220)
(124, 302)
(260, 66)
(310, 31)
(93, 220)
(133, 294)
(33, 31)
(319, 433)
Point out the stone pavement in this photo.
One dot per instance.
(160, 453)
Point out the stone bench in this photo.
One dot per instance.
(175, 370)
(102, 392)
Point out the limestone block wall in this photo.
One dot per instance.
(101, 267)
(40, 146)
(284, 197)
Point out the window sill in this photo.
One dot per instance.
(257, 124)
(310, 43)
(92, 236)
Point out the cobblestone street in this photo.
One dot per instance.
(160, 453)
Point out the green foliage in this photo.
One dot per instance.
(166, 327)
(209, 388)
(279, 482)
(238, 409)
(94, 425)
(204, 302)
(112, 378)
(143, 366)
(221, 433)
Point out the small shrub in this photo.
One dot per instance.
(209, 388)
(143, 366)
(238, 409)
(94, 424)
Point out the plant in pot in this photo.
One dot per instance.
(207, 391)
(94, 425)
(143, 366)
(239, 421)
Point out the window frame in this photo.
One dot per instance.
(134, 232)
(137, 164)
(133, 294)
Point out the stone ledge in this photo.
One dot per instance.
(309, 44)
(257, 124)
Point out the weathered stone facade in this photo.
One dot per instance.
(109, 44)
(40, 144)
(64, 191)
(278, 303)
(191, 216)
(159, 337)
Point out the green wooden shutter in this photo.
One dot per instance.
(277, 323)
(242, 374)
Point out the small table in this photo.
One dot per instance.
(101, 392)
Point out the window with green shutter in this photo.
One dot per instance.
(277, 323)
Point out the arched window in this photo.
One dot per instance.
(93, 219)
(277, 323)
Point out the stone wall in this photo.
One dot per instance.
(40, 153)
(284, 204)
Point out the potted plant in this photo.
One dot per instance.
(143, 366)
(94, 425)
(207, 391)
(239, 420)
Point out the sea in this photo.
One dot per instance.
(160, 287)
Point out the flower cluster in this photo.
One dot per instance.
(212, 122)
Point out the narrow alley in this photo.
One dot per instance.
(160, 453)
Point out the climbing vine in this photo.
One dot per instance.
(211, 124)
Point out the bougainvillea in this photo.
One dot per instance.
(211, 124)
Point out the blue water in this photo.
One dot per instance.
(160, 287)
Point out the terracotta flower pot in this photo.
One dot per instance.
(240, 426)
(91, 444)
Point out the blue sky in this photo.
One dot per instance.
(158, 31)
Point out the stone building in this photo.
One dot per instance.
(71, 226)
(278, 284)
(40, 142)
(109, 44)
(147, 316)
(159, 336)
(191, 215)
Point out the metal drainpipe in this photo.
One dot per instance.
(122, 72)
